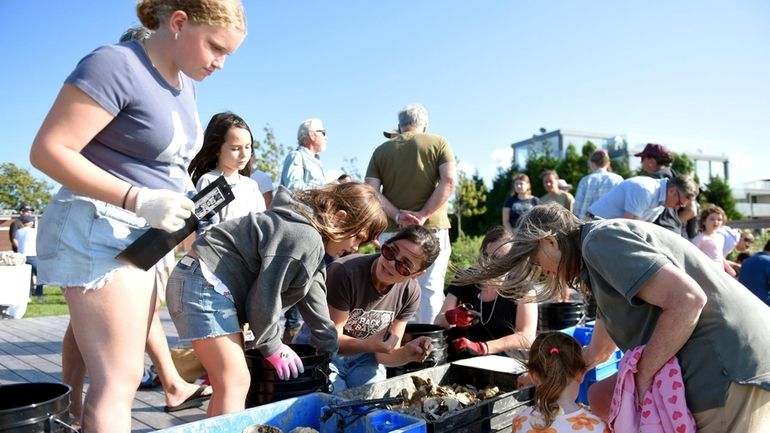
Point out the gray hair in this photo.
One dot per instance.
(136, 33)
(520, 272)
(411, 116)
(303, 132)
(685, 185)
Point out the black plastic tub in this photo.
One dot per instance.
(266, 387)
(34, 407)
(438, 356)
(554, 316)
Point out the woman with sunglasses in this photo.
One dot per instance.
(480, 321)
(371, 297)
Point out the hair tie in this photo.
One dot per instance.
(554, 350)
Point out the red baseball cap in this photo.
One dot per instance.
(653, 150)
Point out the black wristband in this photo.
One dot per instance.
(125, 196)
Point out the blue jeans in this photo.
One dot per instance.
(32, 261)
(292, 318)
(348, 371)
(355, 370)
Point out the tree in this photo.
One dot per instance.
(572, 167)
(470, 198)
(501, 190)
(621, 167)
(536, 165)
(587, 150)
(682, 164)
(17, 186)
(718, 192)
(269, 154)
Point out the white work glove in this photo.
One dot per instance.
(163, 209)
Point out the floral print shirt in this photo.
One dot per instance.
(581, 420)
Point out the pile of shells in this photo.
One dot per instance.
(432, 401)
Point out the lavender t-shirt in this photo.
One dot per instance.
(156, 130)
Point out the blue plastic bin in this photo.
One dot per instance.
(602, 371)
(304, 411)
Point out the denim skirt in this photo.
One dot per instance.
(197, 310)
(79, 237)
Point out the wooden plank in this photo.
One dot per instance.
(30, 351)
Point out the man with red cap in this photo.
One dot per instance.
(656, 161)
(24, 210)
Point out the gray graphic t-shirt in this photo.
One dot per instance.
(350, 288)
(156, 130)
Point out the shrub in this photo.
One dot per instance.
(465, 250)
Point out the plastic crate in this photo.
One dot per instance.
(602, 371)
(491, 414)
(306, 411)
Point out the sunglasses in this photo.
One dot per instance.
(679, 202)
(390, 255)
(321, 131)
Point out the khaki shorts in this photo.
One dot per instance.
(746, 410)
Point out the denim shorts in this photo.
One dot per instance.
(351, 371)
(197, 310)
(79, 237)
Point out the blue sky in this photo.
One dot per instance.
(694, 75)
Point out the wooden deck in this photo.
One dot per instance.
(30, 351)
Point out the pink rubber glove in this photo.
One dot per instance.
(285, 360)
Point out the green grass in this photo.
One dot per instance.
(53, 304)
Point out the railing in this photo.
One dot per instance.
(755, 210)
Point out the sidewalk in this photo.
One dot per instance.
(30, 351)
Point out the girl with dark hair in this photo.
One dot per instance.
(480, 321)
(252, 268)
(556, 366)
(520, 201)
(227, 152)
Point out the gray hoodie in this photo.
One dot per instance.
(270, 261)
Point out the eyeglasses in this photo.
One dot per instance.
(321, 131)
(390, 255)
(679, 203)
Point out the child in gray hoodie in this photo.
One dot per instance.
(252, 268)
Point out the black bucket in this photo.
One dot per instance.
(553, 316)
(266, 387)
(34, 408)
(438, 356)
